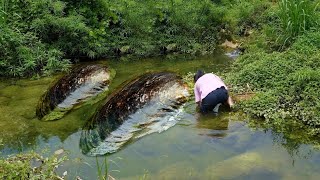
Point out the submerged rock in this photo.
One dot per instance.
(243, 165)
(72, 89)
(147, 104)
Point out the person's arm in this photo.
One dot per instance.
(230, 102)
(198, 104)
(197, 96)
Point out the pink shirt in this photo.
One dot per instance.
(206, 84)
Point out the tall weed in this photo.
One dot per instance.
(296, 17)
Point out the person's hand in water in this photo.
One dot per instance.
(230, 103)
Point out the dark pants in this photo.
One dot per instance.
(217, 96)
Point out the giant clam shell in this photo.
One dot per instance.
(75, 87)
(147, 104)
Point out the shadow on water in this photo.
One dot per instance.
(215, 124)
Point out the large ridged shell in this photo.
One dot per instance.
(149, 103)
(72, 89)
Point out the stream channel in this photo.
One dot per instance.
(227, 146)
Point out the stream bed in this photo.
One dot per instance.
(226, 146)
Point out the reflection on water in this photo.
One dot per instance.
(215, 125)
(227, 146)
(291, 135)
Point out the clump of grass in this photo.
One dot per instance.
(31, 165)
(296, 17)
(102, 169)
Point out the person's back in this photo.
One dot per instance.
(206, 84)
(210, 91)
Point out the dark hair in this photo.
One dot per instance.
(198, 75)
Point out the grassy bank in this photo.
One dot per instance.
(282, 67)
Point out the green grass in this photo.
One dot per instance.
(30, 165)
(296, 17)
(102, 169)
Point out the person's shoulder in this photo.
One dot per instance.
(212, 76)
(205, 78)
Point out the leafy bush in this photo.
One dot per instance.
(38, 34)
(178, 26)
(22, 54)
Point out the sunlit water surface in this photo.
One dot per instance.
(197, 147)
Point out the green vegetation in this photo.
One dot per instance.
(286, 83)
(30, 166)
(296, 17)
(45, 36)
(103, 173)
(280, 65)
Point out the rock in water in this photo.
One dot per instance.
(77, 86)
(234, 54)
(147, 104)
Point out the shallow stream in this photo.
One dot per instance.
(227, 146)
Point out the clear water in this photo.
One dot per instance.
(227, 146)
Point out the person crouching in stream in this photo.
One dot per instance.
(210, 92)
